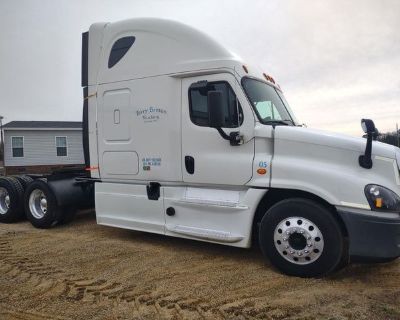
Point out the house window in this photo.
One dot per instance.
(198, 97)
(61, 145)
(17, 144)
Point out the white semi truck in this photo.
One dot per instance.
(182, 138)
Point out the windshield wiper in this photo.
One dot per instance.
(284, 122)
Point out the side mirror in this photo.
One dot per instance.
(214, 104)
(368, 127)
(216, 118)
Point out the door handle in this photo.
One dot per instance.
(189, 164)
(116, 116)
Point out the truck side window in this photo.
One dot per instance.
(198, 105)
(119, 49)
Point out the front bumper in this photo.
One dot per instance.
(372, 236)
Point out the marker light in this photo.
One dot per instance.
(245, 69)
(268, 78)
(382, 199)
(92, 168)
(261, 171)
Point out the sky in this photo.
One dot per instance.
(337, 61)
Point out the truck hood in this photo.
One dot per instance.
(333, 140)
(327, 165)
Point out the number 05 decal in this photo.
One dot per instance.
(263, 164)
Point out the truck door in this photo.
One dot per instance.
(207, 157)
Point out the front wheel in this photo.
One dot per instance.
(301, 238)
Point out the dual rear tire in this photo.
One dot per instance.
(302, 238)
(24, 180)
(41, 206)
(22, 196)
(11, 200)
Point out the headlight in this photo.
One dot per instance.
(382, 199)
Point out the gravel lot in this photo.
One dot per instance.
(86, 271)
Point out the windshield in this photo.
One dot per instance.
(270, 104)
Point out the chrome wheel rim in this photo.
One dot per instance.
(298, 240)
(4, 201)
(38, 204)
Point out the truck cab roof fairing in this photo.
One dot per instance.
(161, 47)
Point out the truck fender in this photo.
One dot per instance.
(70, 193)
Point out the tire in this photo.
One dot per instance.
(301, 238)
(346, 260)
(41, 205)
(11, 200)
(67, 215)
(24, 180)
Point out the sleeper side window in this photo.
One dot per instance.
(119, 49)
(17, 144)
(198, 104)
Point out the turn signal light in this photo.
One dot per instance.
(378, 202)
(245, 69)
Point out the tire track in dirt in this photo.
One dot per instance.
(25, 315)
(49, 280)
(253, 297)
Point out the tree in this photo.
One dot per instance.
(389, 137)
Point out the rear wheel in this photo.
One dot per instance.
(11, 194)
(24, 180)
(301, 238)
(41, 205)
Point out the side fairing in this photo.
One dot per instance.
(264, 150)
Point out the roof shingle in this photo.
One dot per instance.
(44, 125)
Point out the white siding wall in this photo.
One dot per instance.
(40, 147)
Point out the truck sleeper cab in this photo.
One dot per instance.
(182, 138)
(189, 142)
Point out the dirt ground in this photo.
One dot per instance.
(86, 271)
